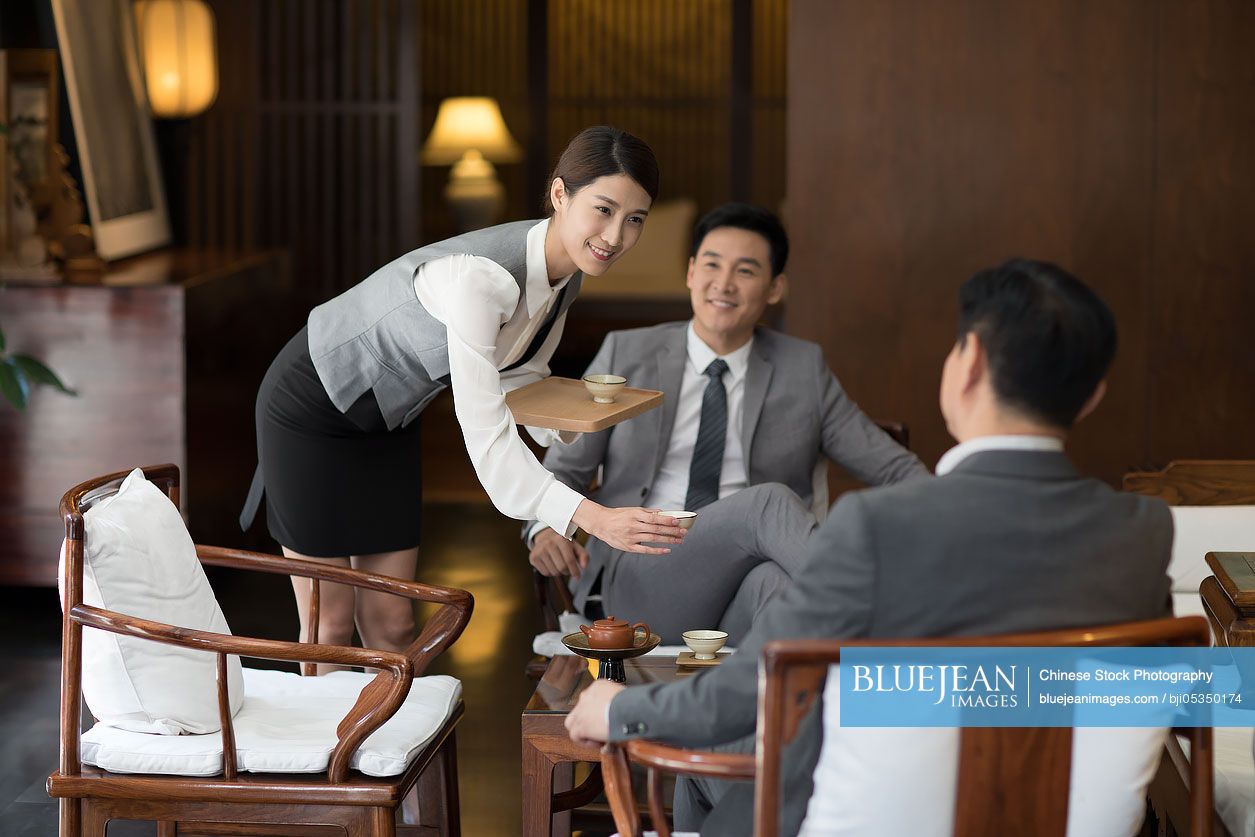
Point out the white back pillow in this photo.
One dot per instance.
(890, 780)
(139, 560)
(1203, 529)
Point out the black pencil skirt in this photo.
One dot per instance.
(335, 484)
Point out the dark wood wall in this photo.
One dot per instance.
(312, 143)
(928, 140)
(703, 82)
(323, 106)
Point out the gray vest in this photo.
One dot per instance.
(378, 336)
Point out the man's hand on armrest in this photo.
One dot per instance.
(589, 722)
(553, 554)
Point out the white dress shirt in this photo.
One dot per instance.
(951, 458)
(672, 484)
(477, 300)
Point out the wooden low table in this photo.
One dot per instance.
(549, 754)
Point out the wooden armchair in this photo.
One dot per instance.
(269, 803)
(998, 791)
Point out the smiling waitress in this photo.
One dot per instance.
(339, 411)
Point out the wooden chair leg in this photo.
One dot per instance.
(71, 818)
(372, 822)
(167, 828)
(438, 802)
(95, 819)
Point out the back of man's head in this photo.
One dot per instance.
(1048, 338)
(746, 216)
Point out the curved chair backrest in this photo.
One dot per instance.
(74, 504)
(792, 673)
(1198, 482)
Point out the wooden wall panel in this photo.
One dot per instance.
(661, 69)
(769, 104)
(475, 48)
(1202, 290)
(122, 350)
(929, 140)
(1110, 210)
(312, 144)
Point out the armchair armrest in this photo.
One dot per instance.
(265, 649)
(242, 559)
(680, 761)
(659, 759)
(439, 632)
(378, 701)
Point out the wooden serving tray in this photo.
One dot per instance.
(564, 404)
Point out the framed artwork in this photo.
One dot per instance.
(112, 126)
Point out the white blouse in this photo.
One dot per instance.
(476, 299)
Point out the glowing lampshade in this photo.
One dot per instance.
(470, 133)
(180, 58)
(469, 123)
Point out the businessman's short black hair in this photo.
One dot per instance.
(1048, 337)
(747, 217)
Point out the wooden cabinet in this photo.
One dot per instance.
(166, 356)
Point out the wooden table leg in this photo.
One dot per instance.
(563, 780)
(537, 790)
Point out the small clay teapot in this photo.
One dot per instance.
(614, 633)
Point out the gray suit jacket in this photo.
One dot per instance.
(794, 412)
(1008, 541)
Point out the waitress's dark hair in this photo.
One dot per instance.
(600, 151)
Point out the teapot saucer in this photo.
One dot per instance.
(578, 644)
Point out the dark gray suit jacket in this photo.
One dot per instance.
(1009, 541)
(794, 412)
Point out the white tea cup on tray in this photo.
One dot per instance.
(604, 388)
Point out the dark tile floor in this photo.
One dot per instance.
(467, 546)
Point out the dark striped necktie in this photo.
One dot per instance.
(712, 430)
(543, 332)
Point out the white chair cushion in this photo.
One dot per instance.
(1234, 762)
(1203, 529)
(139, 560)
(862, 771)
(286, 725)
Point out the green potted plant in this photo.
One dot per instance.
(19, 374)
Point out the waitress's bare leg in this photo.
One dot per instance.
(335, 607)
(385, 621)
